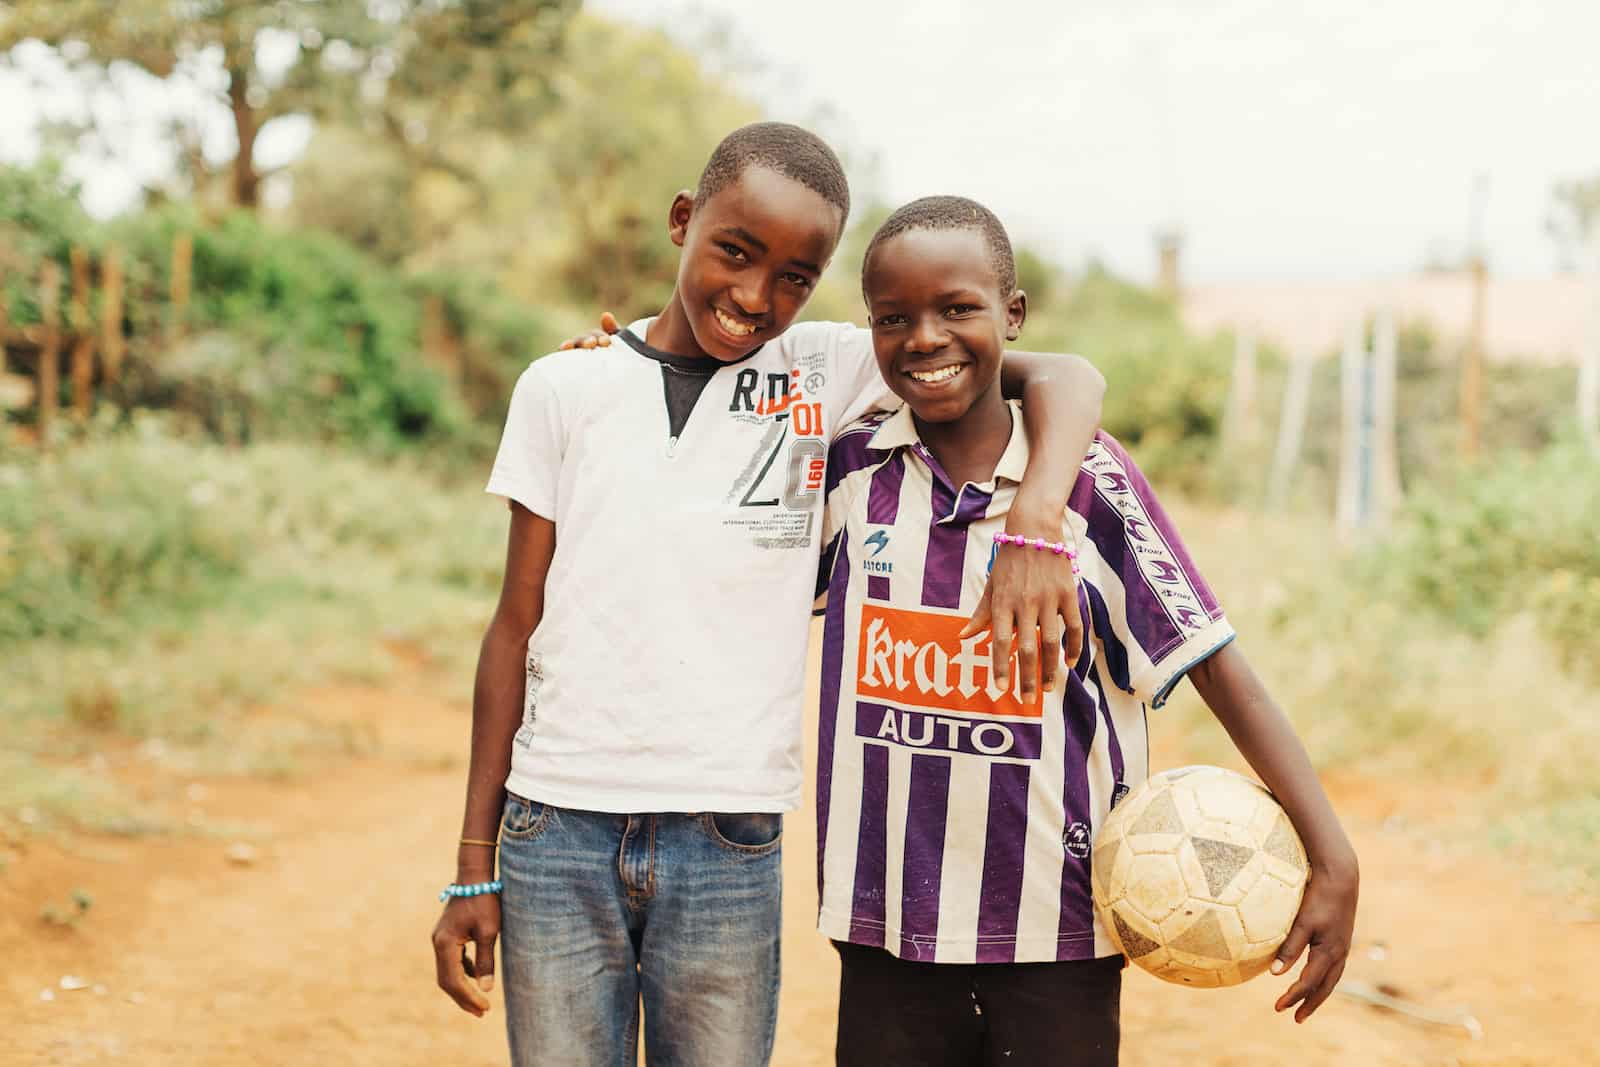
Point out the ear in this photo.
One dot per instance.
(679, 214)
(1016, 314)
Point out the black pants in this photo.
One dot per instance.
(895, 1012)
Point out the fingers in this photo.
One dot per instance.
(1028, 650)
(1318, 964)
(980, 618)
(1324, 990)
(1072, 612)
(483, 961)
(451, 973)
(1293, 945)
(608, 323)
(1000, 625)
(1050, 633)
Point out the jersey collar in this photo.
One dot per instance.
(900, 431)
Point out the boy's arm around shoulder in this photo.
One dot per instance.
(1032, 597)
(1266, 739)
(497, 698)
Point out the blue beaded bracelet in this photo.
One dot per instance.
(476, 890)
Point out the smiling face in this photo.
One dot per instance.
(752, 253)
(939, 320)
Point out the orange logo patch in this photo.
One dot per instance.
(917, 659)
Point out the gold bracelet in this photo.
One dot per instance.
(475, 841)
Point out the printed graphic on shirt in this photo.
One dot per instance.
(922, 685)
(530, 699)
(1160, 567)
(776, 490)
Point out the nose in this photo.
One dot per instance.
(927, 335)
(753, 296)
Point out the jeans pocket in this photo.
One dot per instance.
(524, 819)
(750, 834)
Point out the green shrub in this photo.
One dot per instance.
(105, 535)
(1521, 535)
(1165, 387)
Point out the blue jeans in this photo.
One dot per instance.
(600, 910)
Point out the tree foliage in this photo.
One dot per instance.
(412, 72)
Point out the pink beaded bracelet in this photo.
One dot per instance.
(1040, 543)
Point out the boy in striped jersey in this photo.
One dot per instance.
(955, 812)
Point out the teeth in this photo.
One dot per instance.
(941, 375)
(733, 325)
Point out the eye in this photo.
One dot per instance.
(957, 310)
(733, 251)
(796, 279)
(887, 321)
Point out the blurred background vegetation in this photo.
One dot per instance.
(286, 474)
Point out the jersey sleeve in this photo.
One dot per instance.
(861, 386)
(527, 468)
(1150, 607)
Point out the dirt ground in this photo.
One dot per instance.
(317, 950)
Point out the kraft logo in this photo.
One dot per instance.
(920, 660)
(879, 541)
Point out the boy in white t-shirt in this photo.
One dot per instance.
(637, 711)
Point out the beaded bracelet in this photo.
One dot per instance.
(1040, 543)
(475, 890)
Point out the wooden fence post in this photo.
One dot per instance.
(1386, 457)
(1354, 492)
(182, 275)
(1472, 363)
(50, 350)
(1291, 428)
(1239, 428)
(83, 337)
(112, 345)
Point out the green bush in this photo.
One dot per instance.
(288, 332)
(140, 525)
(1165, 387)
(1521, 535)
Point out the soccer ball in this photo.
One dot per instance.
(1198, 876)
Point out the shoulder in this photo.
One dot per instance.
(823, 339)
(852, 449)
(1110, 475)
(572, 369)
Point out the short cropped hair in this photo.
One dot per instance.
(951, 213)
(791, 151)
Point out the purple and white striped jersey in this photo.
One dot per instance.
(954, 821)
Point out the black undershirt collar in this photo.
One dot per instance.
(683, 379)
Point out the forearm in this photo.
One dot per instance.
(1061, 398)
(1266, 739)
(497, 697)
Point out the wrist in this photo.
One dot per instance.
(470, 869)
(1035, 515)
(1337, 864)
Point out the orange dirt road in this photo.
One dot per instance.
(317, 951)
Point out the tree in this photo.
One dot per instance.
(1574, 220)
(403, 70)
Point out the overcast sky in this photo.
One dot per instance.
(1318, 139)
(1315, 140)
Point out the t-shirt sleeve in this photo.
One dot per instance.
(527, 468)
(1154, 613)
(861, 387)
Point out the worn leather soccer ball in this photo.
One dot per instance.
(1198, 875)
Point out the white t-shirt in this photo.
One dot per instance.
(666, 673)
